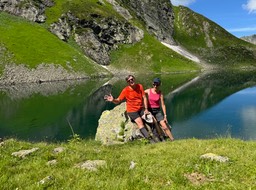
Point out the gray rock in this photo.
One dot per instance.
(58, 150)
(24, 153)
(91, 165)
(121, 10)
(212, 156)
(158, 16)
(17, 74)
(52, 162)
(115, 127)
(47, 179)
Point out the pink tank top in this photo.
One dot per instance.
(154, 99)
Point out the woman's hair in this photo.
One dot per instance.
(126, 78)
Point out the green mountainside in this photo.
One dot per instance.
(31, 44)
(81, 35)
(211, 42)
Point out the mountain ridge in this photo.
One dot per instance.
(124, 35)
(251, 38)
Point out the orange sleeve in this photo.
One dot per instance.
(122, 95)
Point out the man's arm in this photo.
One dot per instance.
(145, 101)
(110, 98)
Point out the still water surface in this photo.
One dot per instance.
(212, 105)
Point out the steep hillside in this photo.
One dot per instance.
(211, 42)
(28, 46)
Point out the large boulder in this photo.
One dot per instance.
(115, 127)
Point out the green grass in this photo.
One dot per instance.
(150, 56)
(83, 9)
(31, 44)
(158, 166)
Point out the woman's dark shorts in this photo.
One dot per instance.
(156, 112)
(135, 115)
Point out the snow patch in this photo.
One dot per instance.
(182, 52)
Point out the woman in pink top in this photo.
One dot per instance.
(156, 102)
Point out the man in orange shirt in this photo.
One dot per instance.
(135, 98)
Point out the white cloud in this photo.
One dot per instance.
(182, 2)
(250, 6)
(246, 29)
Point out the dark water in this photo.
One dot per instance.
(212, 105)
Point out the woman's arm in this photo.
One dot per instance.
(163, 106)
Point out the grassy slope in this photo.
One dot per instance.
(83, 9)
(159, 166)
(192, 30)
(31, 44)
(149, 55)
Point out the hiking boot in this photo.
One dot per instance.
(156, 139)
(151, 141)
(162, 139)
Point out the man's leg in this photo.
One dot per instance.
(142, 128)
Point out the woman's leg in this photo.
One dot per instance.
(166, 130)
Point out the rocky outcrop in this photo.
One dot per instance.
(251, 39)
(97, 37)
(157, 15)
(31, 10)
(17, 74)
(115, 127)
(121, 10)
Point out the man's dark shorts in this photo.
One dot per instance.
(156, 112)
(134, 115)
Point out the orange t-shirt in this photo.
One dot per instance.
(134, 97)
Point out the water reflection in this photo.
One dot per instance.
(209, 107)
(42, 111)
(213, 104)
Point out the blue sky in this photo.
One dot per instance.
(236, 16)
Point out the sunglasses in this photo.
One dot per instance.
(130, 80)
(156, 84)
